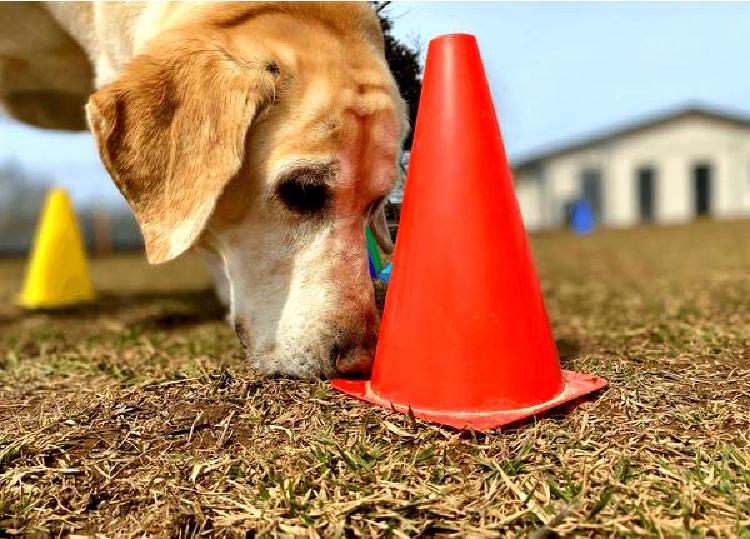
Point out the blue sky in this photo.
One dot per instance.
(557, 71)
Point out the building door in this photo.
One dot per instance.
(592, 190)
(702, 179)
(646, 194)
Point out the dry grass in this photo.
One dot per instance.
(137, 416)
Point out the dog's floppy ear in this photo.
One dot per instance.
(171, 132)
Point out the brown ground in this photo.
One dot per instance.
(137, 416)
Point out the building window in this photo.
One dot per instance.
(702, 188)
(646, 181)
(591, 187)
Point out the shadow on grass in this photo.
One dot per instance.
(567, 349)
(179, 309)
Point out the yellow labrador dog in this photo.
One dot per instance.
(264, 134)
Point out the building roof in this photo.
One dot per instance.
(630, 128)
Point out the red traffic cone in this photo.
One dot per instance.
(465, 340)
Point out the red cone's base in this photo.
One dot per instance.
(576, 385)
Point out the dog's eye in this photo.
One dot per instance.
(303, 196)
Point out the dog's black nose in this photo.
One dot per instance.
(352, 361)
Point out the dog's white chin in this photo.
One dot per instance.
(301, 367)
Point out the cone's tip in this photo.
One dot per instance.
(576, 385)
(57, 191)
(458, 36)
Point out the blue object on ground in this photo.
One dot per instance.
(582, 220)
(385, 275)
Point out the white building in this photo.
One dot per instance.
(669, 169)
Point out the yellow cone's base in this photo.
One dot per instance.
(57, 275)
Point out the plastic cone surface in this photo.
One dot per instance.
(465, 340)
(57, 275)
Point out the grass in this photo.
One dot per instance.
(137, 415)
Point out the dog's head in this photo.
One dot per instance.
(270, 136)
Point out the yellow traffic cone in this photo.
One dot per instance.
(57, 275)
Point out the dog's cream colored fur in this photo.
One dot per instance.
(199, 111)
